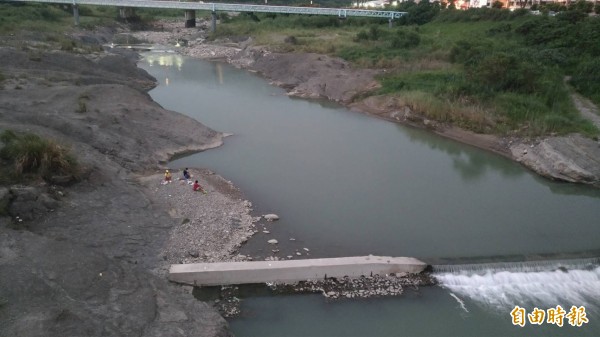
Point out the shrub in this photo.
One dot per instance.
(374, 33)
(503, 71)
(405, 39)
(291, 40)
(499, 29)
(586, 79)
(30, 154)
(418, 14)
(468, 52)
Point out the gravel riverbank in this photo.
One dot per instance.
(210, 226)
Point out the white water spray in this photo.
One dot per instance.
(527, 284)
(460, 302)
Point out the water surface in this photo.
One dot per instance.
(347, 184)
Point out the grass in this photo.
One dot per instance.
(33, 17)
(486, 70)
(52, 23)
(468, 116)
(28, 156)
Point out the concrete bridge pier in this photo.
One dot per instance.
(126, 13)
(213, 25)
(391, 23)
(190, 18)
(76, 14)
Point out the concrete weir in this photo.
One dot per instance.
(289, 271)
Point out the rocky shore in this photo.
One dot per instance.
(362, 287)
(570, 158)
(210, 226)
(86, 257)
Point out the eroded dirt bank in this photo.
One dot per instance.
(89, 259)
(571, 158)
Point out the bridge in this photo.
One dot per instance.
(127, 6)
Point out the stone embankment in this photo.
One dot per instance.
(570, 158)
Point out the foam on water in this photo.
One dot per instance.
(527, 284)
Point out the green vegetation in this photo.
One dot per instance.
(28, 156)
(586, 79)
(51, 25)
(488, 69)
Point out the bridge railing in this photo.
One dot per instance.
(341, 12)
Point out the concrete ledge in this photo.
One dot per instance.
(289, 271)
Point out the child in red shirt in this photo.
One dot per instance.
(197, 187)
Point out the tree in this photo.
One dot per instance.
(497, 4)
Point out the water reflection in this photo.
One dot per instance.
(186, 70)
(165, 60)
(570, 189)
(219, 72)
(471, 164)
(350, 184)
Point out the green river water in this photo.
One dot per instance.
(346, 184)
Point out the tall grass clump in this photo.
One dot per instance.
(28, 155)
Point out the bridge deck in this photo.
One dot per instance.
(289, 271)
(341, 12)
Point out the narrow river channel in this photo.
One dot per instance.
(346, 184)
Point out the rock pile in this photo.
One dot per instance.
(363, 287)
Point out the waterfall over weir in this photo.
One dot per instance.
(542, 284)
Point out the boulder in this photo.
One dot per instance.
(571, 158)
(271, 217)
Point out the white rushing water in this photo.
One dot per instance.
(502, 286)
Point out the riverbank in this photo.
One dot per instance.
(570, 158)
(87, 258)
(211, 226)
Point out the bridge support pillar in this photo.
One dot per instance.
(391, 23)
(213, 25)
(190, 18)
(126, 13)
(76, 14)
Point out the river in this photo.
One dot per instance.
(346, 184)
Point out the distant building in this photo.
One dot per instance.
(466, 4)
(371, 4)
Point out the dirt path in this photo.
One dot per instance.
(588, 109)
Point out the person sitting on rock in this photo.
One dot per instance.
(167, 176)
(186, 174)
(197, 187)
